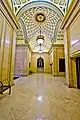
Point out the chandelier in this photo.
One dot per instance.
(40, 38)
(40, 17)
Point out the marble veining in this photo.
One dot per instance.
(40, 97)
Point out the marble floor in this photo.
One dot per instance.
(40, 97)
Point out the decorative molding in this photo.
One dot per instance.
(75, 5)
(40, 3)
(61, 4)
(7, 7)
(75, 54)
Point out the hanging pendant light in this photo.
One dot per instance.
(40, 38)
(40, 51)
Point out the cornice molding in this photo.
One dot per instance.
(55, 45)
(58, 45)
(27, 44)
(75, 54)
(74, 4)
(7, 7)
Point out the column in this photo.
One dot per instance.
(68, 61)
(55, 64)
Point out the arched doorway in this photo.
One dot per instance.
(40, 65)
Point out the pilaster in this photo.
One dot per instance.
(67, 58)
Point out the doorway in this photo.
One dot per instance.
(61, 65)
(78, 71)
(40, 65)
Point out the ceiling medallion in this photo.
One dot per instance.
(40, 17)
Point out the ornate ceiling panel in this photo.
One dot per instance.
(63, 4)
(33, 26)
(38, 19)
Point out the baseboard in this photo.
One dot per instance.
(69, 85)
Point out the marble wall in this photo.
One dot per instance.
(34, 58)
(56, 54)
(75, 35)
(22, 60)
(8, 26)
(71, 28)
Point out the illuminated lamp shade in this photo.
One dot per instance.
(40, 39)
(40, 51)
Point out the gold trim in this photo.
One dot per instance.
(72, 6)
(6, 5)
(1, 29)
(2, 47)
(10, 56)
(75, 54)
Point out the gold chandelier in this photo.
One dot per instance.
(40, 38)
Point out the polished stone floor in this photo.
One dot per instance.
(40, 97)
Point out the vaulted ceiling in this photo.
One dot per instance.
(40, 17)
(63, 4)
(33, 26)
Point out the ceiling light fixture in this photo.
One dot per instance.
(40, 51)
(40, 41)
(40, 38)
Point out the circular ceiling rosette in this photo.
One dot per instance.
(40, 17)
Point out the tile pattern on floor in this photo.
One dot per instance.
(40, 97)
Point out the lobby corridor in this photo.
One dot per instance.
(40, 97)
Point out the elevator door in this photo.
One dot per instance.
(78, 71)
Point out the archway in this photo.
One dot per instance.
(40, 65)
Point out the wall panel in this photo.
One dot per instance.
(1, 31)
(13, 57)
(1, 26)
(20, 60)
(58, 53)
(8, 26)
(34, 58)
(75, 35)
(6, 52)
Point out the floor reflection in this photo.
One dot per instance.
(41, 97)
